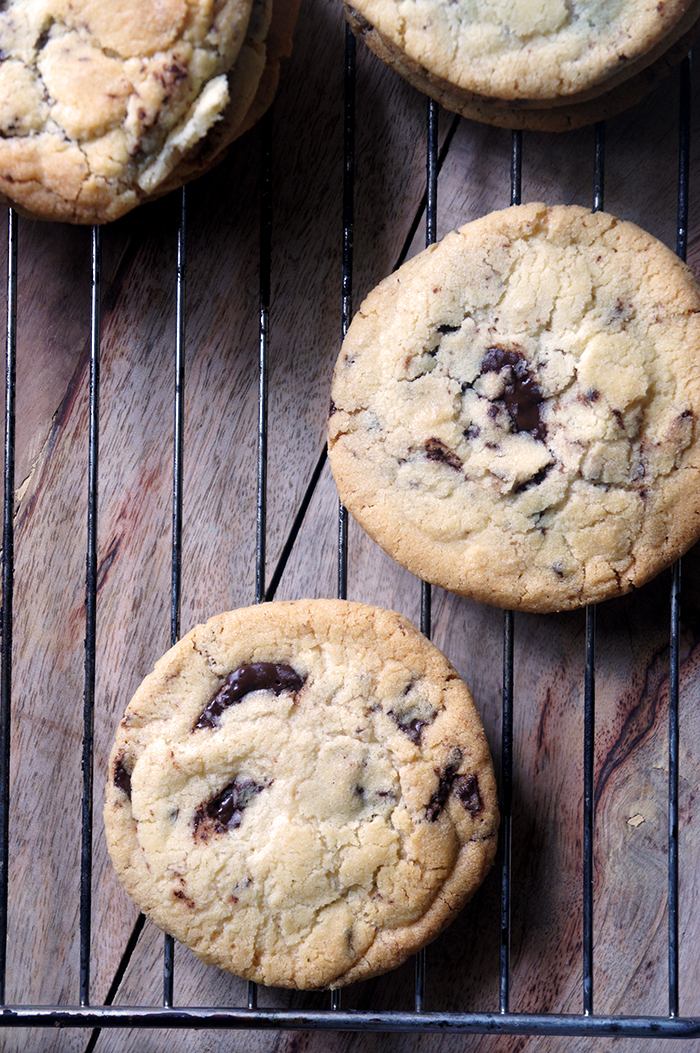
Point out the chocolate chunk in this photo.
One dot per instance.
(437, 801)
(259, 676)
(413, 715)
(43, 38)
(522, 397)
(332, 408)
(437, 451)
(448, 329)
(413, 728)
(225, 811)
(122, 778)
(534, 480)
(473, 431)
(410, 725)
(466, 789)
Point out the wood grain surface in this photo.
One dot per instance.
(218, 562)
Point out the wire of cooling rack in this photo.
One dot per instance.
(176, 538)
(349, 79)
(516, 169)
(178, 421)
(90, 622)
(674, 676)
(504, 1021)
(506, 832)
(8, 546)
(589, 693)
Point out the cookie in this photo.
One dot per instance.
(252, 87)
(515, 410)
(526, 51)
(101, 103)
(302, 793)
(278, 46)
(559, 115)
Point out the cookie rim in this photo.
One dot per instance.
(519, 73)
(446, 564)
(473, 861)
(562, 115)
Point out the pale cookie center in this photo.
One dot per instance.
(299, 813)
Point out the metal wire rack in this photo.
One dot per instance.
(85, 1015)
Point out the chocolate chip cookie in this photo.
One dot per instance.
(526, 50)
(560, 114)
(103, 105)
(252, 84)
(515, 411)
(302, 793)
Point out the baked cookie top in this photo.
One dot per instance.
(100, 101)
(515, 411)
(302, 793)
(600, 102)
(525, 49)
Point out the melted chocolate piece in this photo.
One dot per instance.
(410, 725)
(437, 801)
(225, 811)
(259, 676)
(522, 397)
(413, 728)
(534, 480)
(466, 788)
(122, 778)
(437, 451)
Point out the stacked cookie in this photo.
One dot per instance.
(549, 67)
(515, 410)
(106, 105)
(302, 793)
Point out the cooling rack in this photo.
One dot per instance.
(419, 1011)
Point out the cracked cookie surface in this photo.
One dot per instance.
(552, 115)
(100, 102)
(515, 411)
(526, 50)
(302, 793)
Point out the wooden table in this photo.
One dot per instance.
(137, 372)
